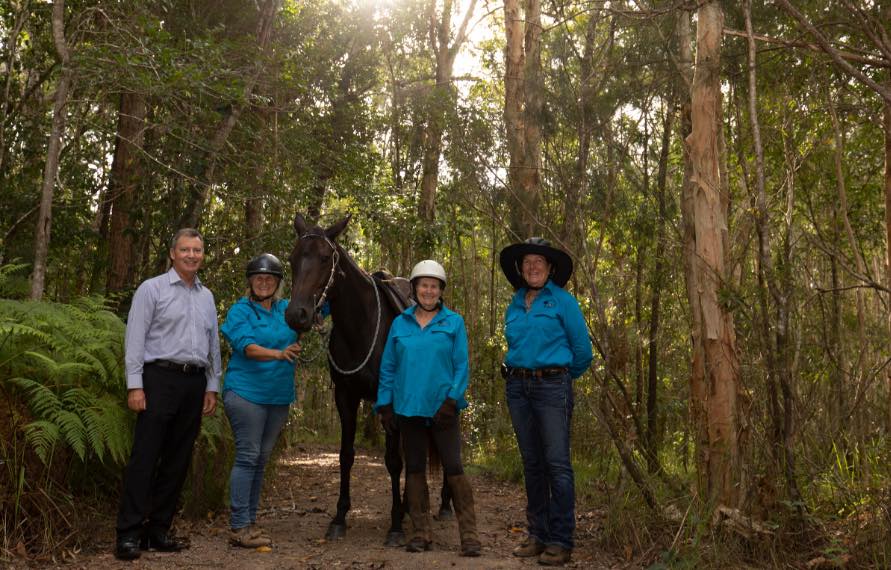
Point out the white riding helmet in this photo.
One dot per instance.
(428, 268)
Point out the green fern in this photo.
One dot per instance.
(65, 363)
(42, 435)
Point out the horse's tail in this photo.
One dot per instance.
(434, 465)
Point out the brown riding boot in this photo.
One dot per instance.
(462, 495)
(419, 510)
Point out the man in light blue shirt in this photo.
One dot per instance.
(172, 357)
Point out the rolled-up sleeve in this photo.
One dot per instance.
(237, 329)
(138, 321)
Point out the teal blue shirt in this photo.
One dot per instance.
(420, 368)
(552, 334)
(260, 382)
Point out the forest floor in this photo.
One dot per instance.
(297, 507)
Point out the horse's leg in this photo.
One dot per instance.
(445, 508)
(348, 410)
(393, 460)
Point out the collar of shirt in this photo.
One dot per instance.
(546, 291)
(442, 314)
(175, 278)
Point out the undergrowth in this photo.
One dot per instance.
(65, 430)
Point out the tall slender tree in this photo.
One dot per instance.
(54, 149)
(126, 173)
(715, 372)
(523, 101)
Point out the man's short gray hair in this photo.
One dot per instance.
(185, 232)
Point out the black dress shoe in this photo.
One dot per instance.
(127, 548)
(162, 542)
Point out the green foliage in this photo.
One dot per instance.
(64, 420)
(63, 393)
(64, 362)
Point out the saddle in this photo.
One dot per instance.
(396, 290)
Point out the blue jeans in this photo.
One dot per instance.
(541, 412)
(255, 428)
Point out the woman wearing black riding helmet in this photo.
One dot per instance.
(257, 390)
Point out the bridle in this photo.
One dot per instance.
(324, 295)
(335, 260)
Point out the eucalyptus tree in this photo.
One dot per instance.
(523, 100)
(54, 147)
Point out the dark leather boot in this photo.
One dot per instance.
(419, 510)
(462, 495)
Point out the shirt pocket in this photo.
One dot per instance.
(513, 328)
(548, 324)
(402, 341)
(440, 334)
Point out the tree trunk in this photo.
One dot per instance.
(572, 230)
(886, 123)
(21, 17)
(698, 387)
(201, 187)
(860, 366)
(715, 377)
(259, 187)
(126, 174)
(652, 439)
(54, 148)
(534, 89)
(522, 111)
(440, 101)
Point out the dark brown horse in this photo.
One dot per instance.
(361, 311)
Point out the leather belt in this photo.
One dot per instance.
(179, 367)
(550, 372)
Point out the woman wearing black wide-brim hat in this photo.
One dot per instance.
(547, 348)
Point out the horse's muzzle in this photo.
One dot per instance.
(299, 318)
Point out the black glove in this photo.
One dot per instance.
(447, 411)
(388, 418)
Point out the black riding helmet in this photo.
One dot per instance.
(265, 263)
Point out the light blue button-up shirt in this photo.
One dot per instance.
(169, 320)
(552, 333)
(420, 368)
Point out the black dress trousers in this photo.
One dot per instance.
(162, 449)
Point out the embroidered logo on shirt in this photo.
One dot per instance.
(550, 304)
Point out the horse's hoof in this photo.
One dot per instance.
(395, 538)
(335, 531)
(445, 515)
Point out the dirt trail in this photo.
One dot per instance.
(297, 507)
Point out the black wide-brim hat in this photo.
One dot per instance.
(511, 260)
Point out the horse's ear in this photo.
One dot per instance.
(337, 228)
(299, 224)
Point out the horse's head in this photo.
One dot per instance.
(313, 267)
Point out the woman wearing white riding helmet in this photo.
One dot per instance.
(423, 378)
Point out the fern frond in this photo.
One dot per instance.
(73, 431)
(46, 364)
(43, 436)
(92, 421)
(42, 401)
(9, 328)
(117, 428)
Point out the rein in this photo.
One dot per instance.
(318, 306)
